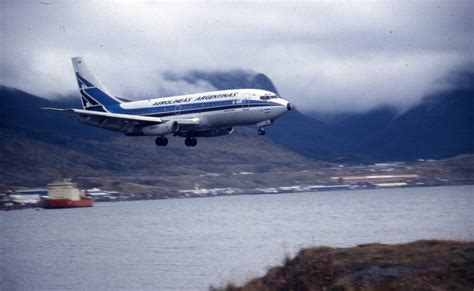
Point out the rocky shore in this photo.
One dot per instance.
(420, 265)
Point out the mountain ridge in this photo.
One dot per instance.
(440, 126)
(38, 146)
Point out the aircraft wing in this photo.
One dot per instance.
(118, 122)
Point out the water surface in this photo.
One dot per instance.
(188, 244)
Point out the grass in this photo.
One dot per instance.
(421, 265)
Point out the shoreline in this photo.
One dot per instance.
(38, 206)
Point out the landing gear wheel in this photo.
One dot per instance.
(261, 131)
(161, 141)
(190, 141)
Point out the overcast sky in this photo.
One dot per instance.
(323, 56)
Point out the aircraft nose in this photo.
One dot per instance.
(289, 106)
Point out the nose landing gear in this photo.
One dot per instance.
(190, 141)
(261, 126)
(161, 141)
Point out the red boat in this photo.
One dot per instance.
(66, 203)
(65, 194)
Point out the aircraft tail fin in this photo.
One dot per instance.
(94, 95)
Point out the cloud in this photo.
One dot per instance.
(325, 56)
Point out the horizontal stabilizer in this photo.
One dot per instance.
(54, 109)
(83, 112)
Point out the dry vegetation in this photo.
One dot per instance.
(421, 265)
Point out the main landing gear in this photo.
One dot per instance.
(161, 141)
(190, 141)
(261, 131)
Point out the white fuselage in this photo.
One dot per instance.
(213, 109)
(206, 114)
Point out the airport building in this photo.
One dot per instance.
(375, 178)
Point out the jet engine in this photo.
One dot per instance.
(161, 128)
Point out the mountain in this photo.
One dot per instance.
(38, 146)
(20, 112)
(223, 80)
(439, 127)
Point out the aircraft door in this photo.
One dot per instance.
(246, 102)
(178, 109)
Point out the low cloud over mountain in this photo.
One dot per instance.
(325, 57)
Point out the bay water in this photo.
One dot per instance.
(190, 244)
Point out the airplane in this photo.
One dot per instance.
(190, 116)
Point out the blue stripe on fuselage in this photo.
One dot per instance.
(161, 111)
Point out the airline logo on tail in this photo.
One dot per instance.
(82, 85)
(94, 95)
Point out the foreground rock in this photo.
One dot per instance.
(421, 265)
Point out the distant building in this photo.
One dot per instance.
(102, 195)
(266, 190)
(32, 191)
(246, 173)
(6, 202)
(390, 185)
(25, 199)
(296, 188)
(375, 178)
(328, 187)
(28, 196)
